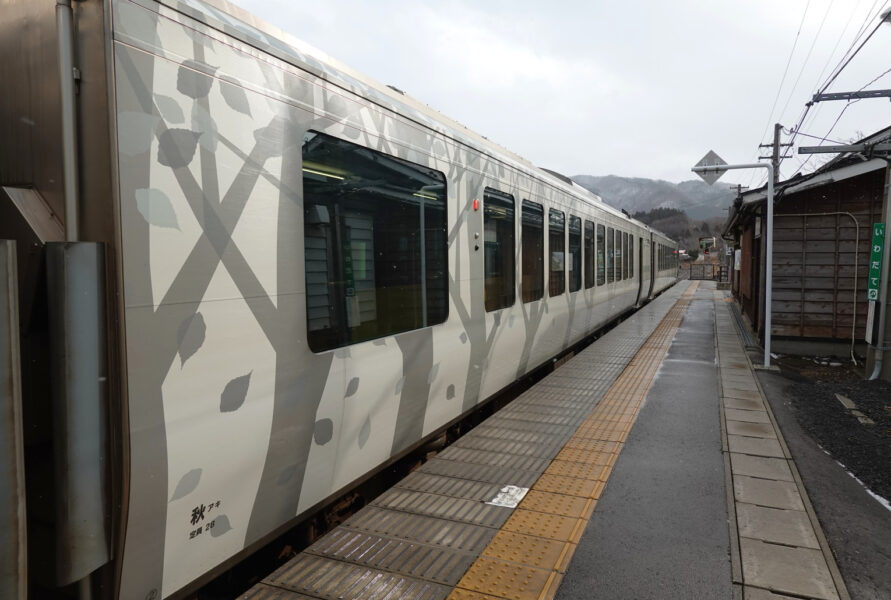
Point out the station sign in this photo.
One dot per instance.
(874, 280)
(875, 261)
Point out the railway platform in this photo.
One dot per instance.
(647, 466)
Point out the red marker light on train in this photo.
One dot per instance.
(476, 204)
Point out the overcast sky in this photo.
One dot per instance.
(634, 88)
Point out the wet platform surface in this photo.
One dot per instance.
(646, 466)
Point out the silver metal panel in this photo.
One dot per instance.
(539, 449)
(434, 563)
(443, 507)
(450, 468)
(495, 459)
(449, 486)
(333, 579)
(75, 283)
(13, 550)
(460, 536)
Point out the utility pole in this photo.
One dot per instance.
(775, 154)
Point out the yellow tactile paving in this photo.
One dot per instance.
(462, 594)
(576, 455)
(514, 581)
(571, 486)
(553, 526)
(540, 553)
(527, 558)
(558, 504)
(583, 470)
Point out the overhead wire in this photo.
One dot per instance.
(804, 64)
(785, 72)
(846, 58)
(846, 106)
(782, 81)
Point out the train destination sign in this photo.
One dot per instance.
(711, 160)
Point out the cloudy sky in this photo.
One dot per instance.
(635, 88)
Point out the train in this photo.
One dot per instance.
(237, 277)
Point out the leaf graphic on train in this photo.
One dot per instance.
(193, 83)
(450, 391)
(170, 109)
(187, 484)
(365, 432)
(275, 137)
(220, 526)
(352, 387)
(190, 336)
(176, 147)
(156, 208)
(431, 376)
(236, 98)
(323, 431)
(137, 132)
(234, 393)
(206, 127)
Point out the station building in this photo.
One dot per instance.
(823, 227)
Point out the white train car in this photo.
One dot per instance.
(242, 277)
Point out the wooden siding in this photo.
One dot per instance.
(818, 260)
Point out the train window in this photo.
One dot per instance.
(610, 255)
(624, 255)
(575, 253)
(601, 259)
(589, 254)
(498, 237)
(556, 239)
(375, 243)
(631, 253)
(627, 261)
(627, 256)
(533, 251)
(619, 255)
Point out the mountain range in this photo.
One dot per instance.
(636, 194)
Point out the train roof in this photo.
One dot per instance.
(239, 23)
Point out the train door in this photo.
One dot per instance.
(652, 255)
(640, 271)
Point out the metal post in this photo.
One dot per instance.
(70, 183)
(879, 348)
(768, 275)
(13, 536)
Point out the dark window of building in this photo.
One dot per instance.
(589, 254)
(375, 243)
(575, 254)
(498, 243)
(533, 251)
(556, 240)
(601, 258)
(610, 255)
